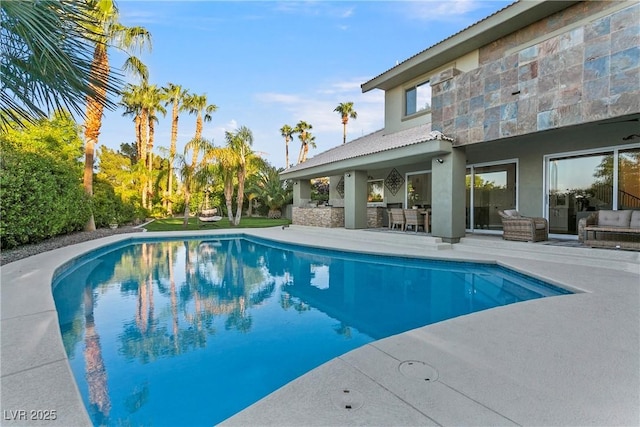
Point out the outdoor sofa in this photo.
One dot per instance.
(611, 229)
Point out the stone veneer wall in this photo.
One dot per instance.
(327, 217)
(589, 73)
(374, 217)
(333, 217)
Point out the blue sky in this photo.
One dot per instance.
(270, 63)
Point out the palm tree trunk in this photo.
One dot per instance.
(228, 196)
(93, 122)
(187, 200)
(142, 154)
(344, 131)
(172, 154)
(240, 197)
(152, 130)
(286, 153)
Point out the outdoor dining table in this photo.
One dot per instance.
(426, 214)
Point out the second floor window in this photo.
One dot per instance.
(418, 98)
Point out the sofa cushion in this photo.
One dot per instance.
(614, 218)
(540, 225)
(635, 219)
(511, 213)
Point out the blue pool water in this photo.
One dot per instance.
(191, 332)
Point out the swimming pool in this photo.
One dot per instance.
(190, 332)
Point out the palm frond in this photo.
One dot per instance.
(46, 60)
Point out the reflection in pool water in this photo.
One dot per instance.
(191, 332)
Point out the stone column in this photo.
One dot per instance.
(301, 192)
(355, 199)
(448, 196)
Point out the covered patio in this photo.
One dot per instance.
(382, 162)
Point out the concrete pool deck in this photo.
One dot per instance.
(566, 360)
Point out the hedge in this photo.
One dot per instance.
(40, 197)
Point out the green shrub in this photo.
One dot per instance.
(41, 197)
(109, 207)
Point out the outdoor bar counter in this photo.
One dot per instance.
(333, 216)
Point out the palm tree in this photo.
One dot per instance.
(143, 102)
(270, 190)
(240, 143)
(132, 103)
(197, 104)
(193, 174)
(346, 111)
(46, 60)
(127, 39)
(310, 142)
(287, 133)
(153, 104)
(302, 129)
(175, 95)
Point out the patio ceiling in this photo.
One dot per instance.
(374, 151)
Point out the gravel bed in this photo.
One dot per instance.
(11, 255)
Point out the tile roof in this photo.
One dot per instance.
(372, 143)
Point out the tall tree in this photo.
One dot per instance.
(287, 133)
(310, 142)
(46, 60)
(197, 104)
(108, 32)
(132, 100)
(346, 111)
(240, 142)
(153, 103)
(194, 174)
(175, 96)
(302, 129)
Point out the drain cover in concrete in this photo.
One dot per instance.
(418, 370)
(347, 399)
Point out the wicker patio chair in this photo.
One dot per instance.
(396, 217)
(523, 229)
(413, 218)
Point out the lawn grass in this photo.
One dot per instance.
(175, 224)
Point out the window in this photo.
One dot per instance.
(419, 189)
(375, 191)
(418, 98)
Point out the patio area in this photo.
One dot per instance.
(567, 360)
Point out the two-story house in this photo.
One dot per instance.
(534, 108)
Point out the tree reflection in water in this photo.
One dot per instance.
(179, 288)
(155, 301)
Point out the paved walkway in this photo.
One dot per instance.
(567, 360)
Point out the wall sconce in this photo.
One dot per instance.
(295, 182)
(439, 160)
(348, 175)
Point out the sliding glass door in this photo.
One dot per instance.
(490, 188)
(581, 183)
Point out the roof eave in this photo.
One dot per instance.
(502, 23)
(406, 154)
